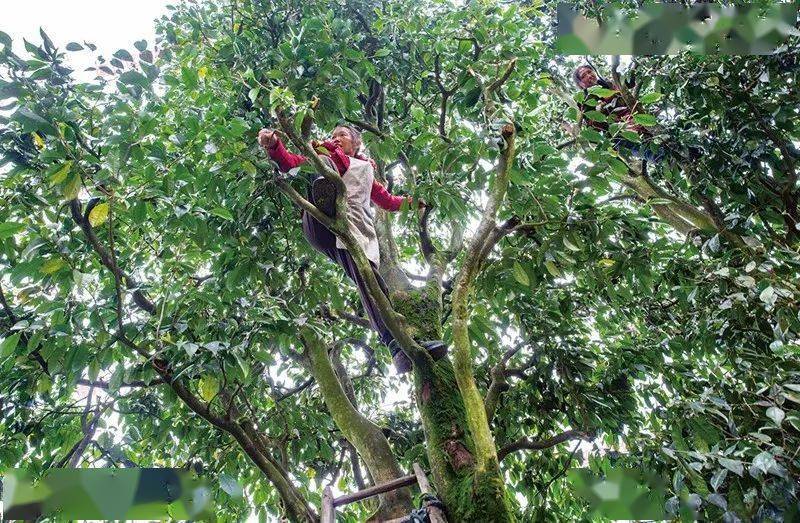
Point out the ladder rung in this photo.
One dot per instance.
(374, 491)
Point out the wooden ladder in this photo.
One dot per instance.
(329, 503)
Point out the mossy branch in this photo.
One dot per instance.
(477, 420)
(364, 435)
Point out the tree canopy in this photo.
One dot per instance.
(159, 306)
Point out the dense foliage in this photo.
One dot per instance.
(159, 303)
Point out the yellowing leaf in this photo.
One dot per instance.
(202, 72)
(552, 268)
(72, 187)
(99, 214)
(38, 140)
(606, 262)
(520, 275)
(569, 244)
(208, 387)
(52, 266)
(249, 168)
(236, 27)
(61, 174)
(44, 384)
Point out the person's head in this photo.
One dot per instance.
(585, 77)
(348, 138)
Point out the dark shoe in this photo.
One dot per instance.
(436, 348)
(402, 363)
(323, 194)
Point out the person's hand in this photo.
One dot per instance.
(267, 138)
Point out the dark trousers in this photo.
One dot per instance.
(324, 241)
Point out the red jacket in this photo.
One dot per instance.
(615, 109)
(380, 196)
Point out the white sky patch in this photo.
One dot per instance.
(108, 25)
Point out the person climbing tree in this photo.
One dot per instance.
(614, 109)
(344, 152)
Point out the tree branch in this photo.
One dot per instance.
(367, 437)
(499, 383)
(428, 249)
(99, 384)
(485, 449)
(106, 259)
(291, 392)
(528, 444)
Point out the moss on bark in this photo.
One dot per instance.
(467, 494)
(422, 309)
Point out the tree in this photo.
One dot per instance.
(151, 252)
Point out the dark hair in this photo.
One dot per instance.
(602, 82)
(355, 135)
(576, 75)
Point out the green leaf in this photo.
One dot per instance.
(618, 166)
(9, 229)
(734, 465)
(592, 135)
(472, 97)
(253, 94)
(776, 414)
(74, 46)
(222, 213)
(32, 122)
(140, 45)
(521, 275)
(631, 136)
(48, 43)
(44, 385)
(52, 266)
(380, 53)
(122, 54)
(5, 39)
(8, 345)
(230, 485)
(189, 77)
(571, 243)
(602, 92)
(134, 78)
(650, 98)
(762, 463)
(552, 268)
(298, 119)
(595, 116)
(645, 119)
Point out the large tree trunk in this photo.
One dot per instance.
(469, 493)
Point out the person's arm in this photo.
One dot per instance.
(285, 160)
(340, 160)
(386, 200)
